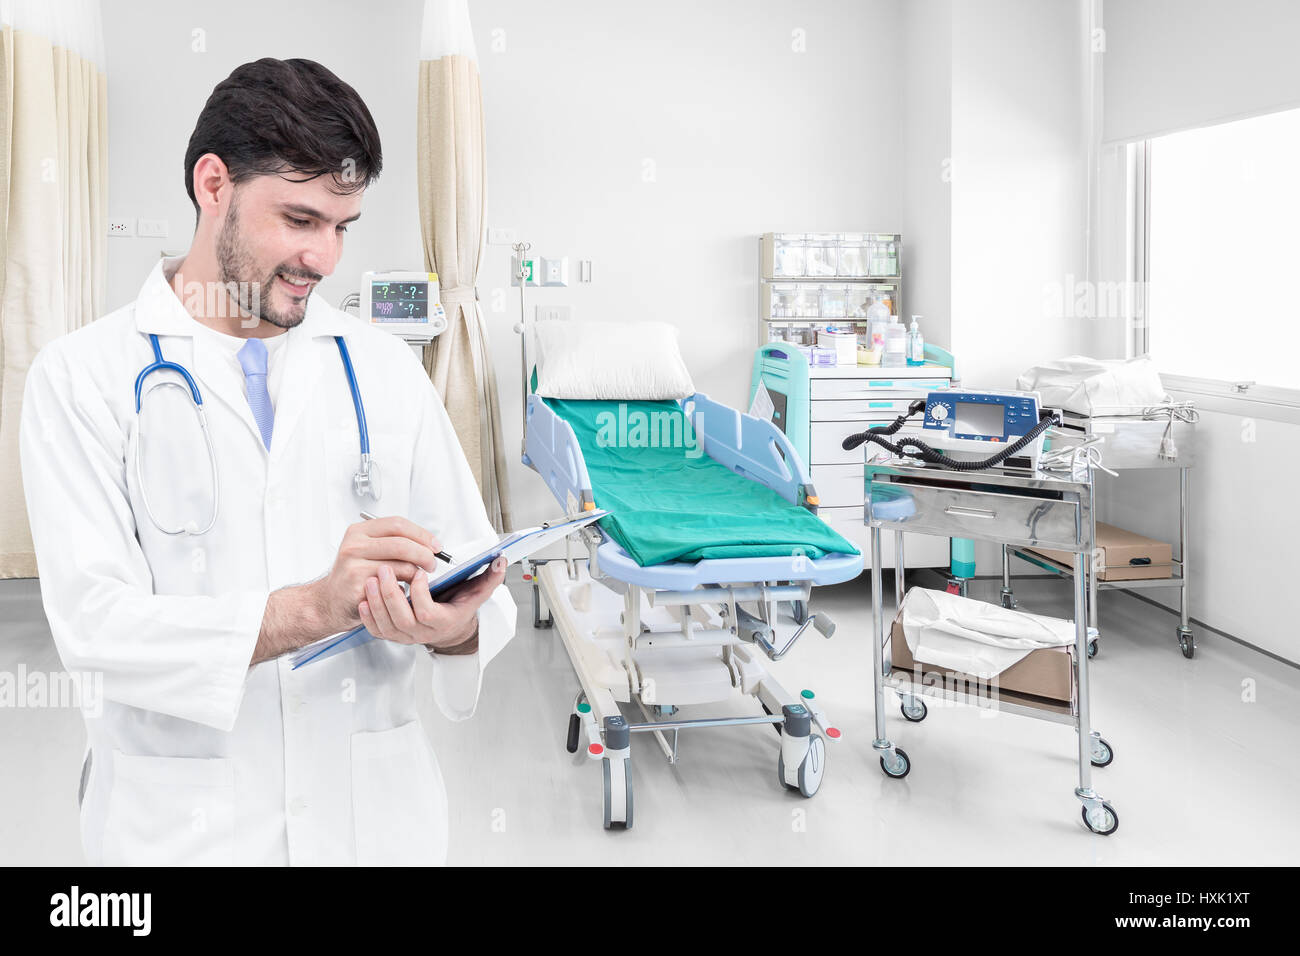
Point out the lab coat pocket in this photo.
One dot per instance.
(399, 804)
(168, 811)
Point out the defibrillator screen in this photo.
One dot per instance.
(979, 418)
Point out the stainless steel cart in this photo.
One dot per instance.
(1129, 443)
(1006, 506)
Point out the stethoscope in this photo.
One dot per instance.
(364, 483)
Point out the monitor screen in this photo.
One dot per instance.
(399, 301)
(979, 418)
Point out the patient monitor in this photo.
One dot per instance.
(404, 303)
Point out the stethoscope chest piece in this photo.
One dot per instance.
(366, 480)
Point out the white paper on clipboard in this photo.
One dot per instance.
(515, 547)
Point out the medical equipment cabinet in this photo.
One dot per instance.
(810, 280)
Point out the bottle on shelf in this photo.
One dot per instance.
(895, 346)
(915, 344)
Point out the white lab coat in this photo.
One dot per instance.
(198, 758)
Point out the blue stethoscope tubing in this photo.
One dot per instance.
(364, 482)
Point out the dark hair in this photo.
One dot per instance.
(274, 116)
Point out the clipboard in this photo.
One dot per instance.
(515, 547)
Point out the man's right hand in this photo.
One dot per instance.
(368, 546)
(296, 616)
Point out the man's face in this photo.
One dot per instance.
(280, 238)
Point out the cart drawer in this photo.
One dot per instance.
(828, 442)
(839, 486)
(853, 388)
(881, 409)
(919, 550)
(962, 513)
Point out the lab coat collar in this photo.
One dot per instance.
(159, 311)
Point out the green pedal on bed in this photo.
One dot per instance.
(670, 502)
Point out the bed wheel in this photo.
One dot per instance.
(575, 728)
(1093, 647)
(811, 769)
(626, 796)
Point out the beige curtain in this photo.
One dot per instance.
(53, 214)
(450, 142)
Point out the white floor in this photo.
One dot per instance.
(1203, 774)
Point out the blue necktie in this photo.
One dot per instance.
(252, 359)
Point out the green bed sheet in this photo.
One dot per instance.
(670, 502)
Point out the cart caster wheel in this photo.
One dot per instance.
(1008, 600)
(800, 611)
(1186, 644)
(1102, 754)
(1092, 649)
(1103, 820)
(626, 822)
(896, 765)
(917, 710)
(575, 728)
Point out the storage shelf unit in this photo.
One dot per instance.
(819, 278)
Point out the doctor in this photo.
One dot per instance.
(210, 748)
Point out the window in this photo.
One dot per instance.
(1223, 252)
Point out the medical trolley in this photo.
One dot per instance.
(1014, 507)
(1130, 442)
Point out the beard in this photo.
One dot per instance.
(244, 281)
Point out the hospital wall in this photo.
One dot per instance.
(164, 58)
(660, 141)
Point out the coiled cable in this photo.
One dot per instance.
(915, 448)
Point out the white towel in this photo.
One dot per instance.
(1089, 386)
(957, 633)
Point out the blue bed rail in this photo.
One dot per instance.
(749, 446)
(552, 450)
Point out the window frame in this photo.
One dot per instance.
(1278, 403)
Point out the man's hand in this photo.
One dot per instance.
(298, 615)
(369, 548)
(441, 624)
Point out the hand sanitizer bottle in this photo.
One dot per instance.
(915, 344)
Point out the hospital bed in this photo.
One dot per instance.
(674, 600)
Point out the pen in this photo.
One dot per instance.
(440, 555)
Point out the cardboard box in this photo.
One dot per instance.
(1116, 550)
(1045, 675)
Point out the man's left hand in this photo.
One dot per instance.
(388, 614)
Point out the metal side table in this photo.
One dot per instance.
(1009, 507)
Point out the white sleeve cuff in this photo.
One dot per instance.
(457, 678)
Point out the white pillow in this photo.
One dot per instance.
(610, 360)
